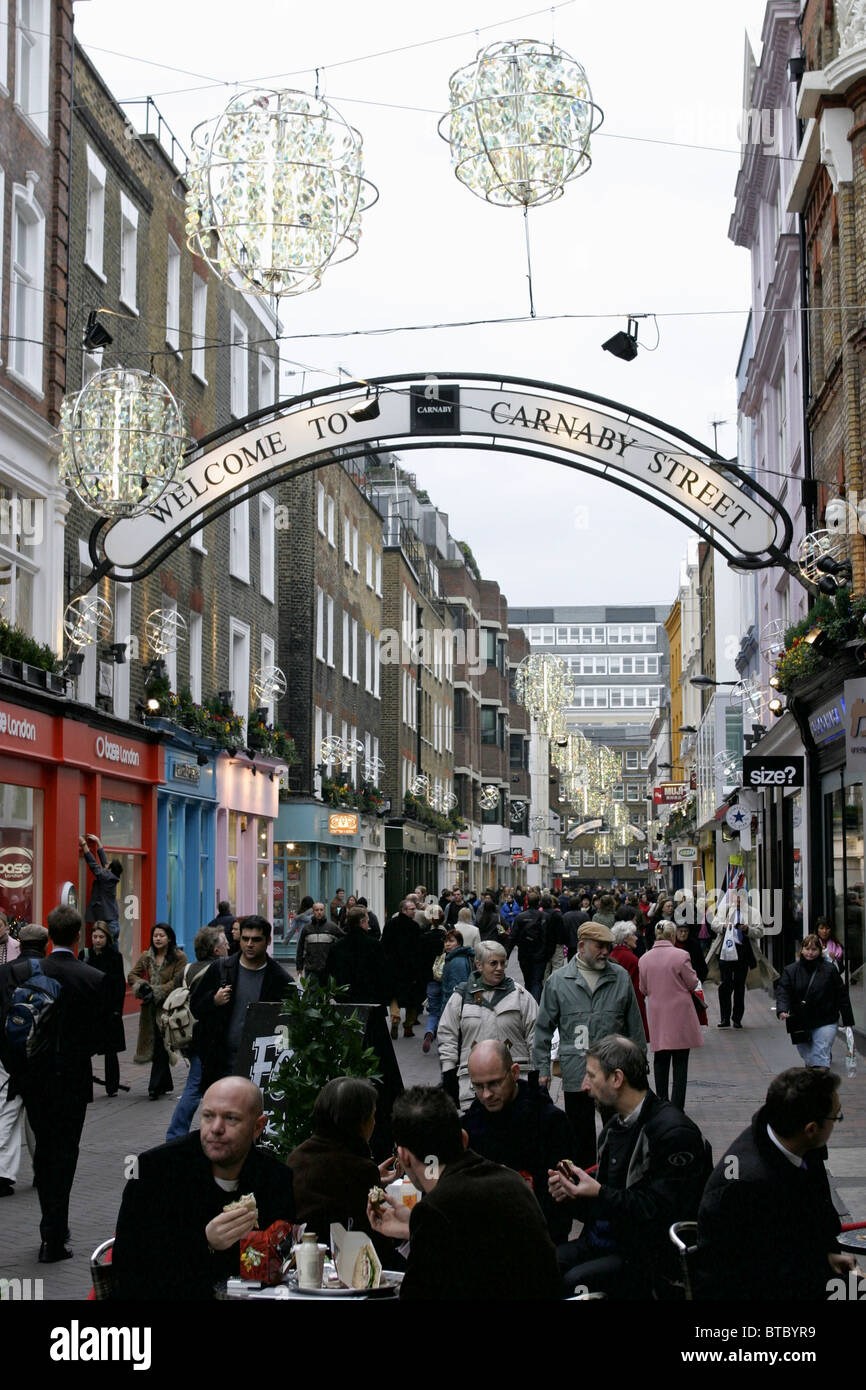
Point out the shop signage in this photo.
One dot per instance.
(828, 721)
(435, 408)
(343, 823)
(13, 727)
(738, 818)
(111, 751)
(686, 854)
(183, 771)
(669, 793)
(760, 771)
(855, 729)
(463, 852)
(16, 867)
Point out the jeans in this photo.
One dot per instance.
(661, 1072)
(188, 1103)
(816, 1052)
(533, 978)
(434, 1005)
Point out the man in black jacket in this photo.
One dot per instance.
(516, 1123)
(478, 1232)
(174, 1238)
(224, 992)
(767, 1226)
(652, 1167)
(57, 1085)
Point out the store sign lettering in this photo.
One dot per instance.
(187, 772)
(343, 824)
(16, 867)
(113, 752)
(17, 728)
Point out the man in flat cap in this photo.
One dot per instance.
(587, 1000)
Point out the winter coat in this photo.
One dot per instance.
(458, 966)
(468, 1018)
(401, 942)
(568, 1005)
(668, 981)
(358, 962)
(315, 944)
(102, 904)
(331, 1179)
(490, 927)
(509, 912)
(110, 963)
(432, 946)
(629, 961)
(162, 980)
(826, 999)
(532, 938)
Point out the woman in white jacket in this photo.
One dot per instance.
(487, 1005)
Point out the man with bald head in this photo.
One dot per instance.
(516, 1123)
(174, 1239)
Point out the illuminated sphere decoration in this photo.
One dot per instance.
(543, 685)
(165, 630)
(519, 125)
(374, 770)
(277, 178)
(517, 811)
(420, 786)
(121, 441)
(269, 684)
(332, 750)
(87, 620)
(489, 798)
(816, 546)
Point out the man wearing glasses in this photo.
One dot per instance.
(767, 1227)
(517, 1124)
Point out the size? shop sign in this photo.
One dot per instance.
(343, 823)
(760, 771)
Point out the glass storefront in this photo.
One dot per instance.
(21, 854)
(844, 875)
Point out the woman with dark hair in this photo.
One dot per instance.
(333, 1171)
(826, 934)
(210, 944)
(488, 922)
(103, 955)
(810, 996)
(689, 942)
(155, 974)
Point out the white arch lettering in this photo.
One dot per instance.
(548, 421)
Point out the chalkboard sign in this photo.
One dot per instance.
(265, 1039)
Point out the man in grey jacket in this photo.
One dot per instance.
(588, 999)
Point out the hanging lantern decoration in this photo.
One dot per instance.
(489, 798)
(517, 811)
(818, 546)
(269, 684)
(420, 786)
(750, 695)
(165, 630)
(449, 803)
(772, 639)
(332, 750)
(121, 442)
(276, 191)
(519, 125)
(374, 770)
(542, 684)
(87, 620)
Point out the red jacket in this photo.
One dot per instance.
(628, 960)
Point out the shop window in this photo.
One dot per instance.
(233, 846)
(21, 853)
(263, 871)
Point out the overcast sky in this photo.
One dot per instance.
(644, 231)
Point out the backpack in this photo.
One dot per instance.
(176, 1019)
(30, 1024)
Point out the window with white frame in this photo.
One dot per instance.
(267, 381)
(172, 296)
(332, 513)
(198, 335)
(128, 253)
(619, 792)
(238, 367)
(32, 61)
(239, 666)
(267, 545)
(633, 791)
(317, 741)
(169, 605)
(195, 651)
(347, 655)
(355, 542)
(330, 607)
(369, 566)
(94, 234)
(355, 650)
(632, 759)
(4, 46)
(378, 576)
(377, 666)
(122, 630)
(196, 541)
(320, 623)
(3, 345)
(268, 653)
(239, 541)
(26, 300)
(347, 540)
(782, 417)
(368, 661)
(320, 508)
(91, 363)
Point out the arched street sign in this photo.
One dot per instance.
(499, 415)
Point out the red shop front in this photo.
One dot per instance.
(61, 777)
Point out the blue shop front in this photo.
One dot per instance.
(315, 848)
(186, 841)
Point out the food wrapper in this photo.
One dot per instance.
(261, 1254)
(358, 1265)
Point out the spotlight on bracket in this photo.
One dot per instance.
(96, 337)
(623, 344)
(367, 410)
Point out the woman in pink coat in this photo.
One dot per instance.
(668, 980)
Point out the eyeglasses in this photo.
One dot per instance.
(834, 1119)
(495, 1085)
